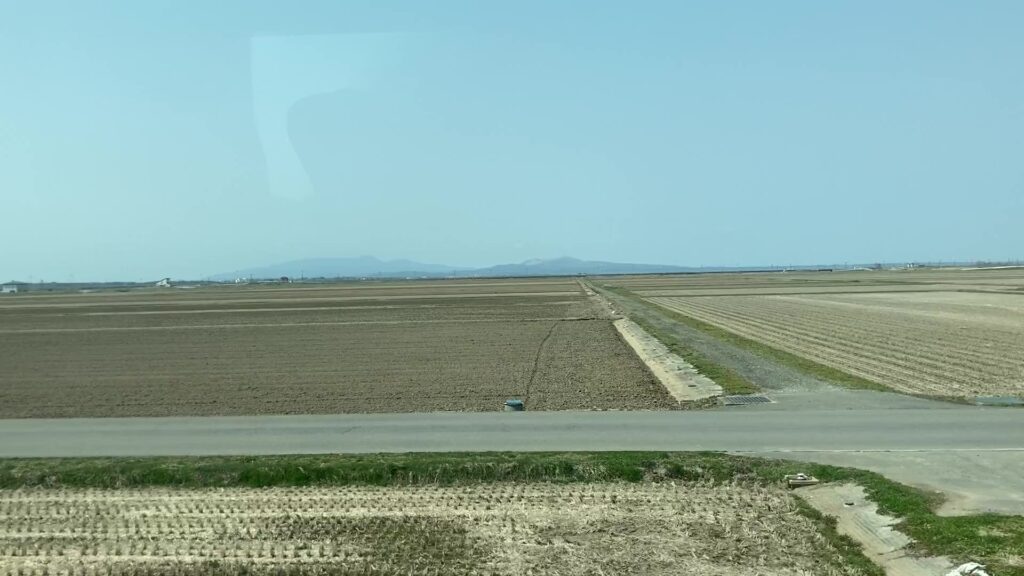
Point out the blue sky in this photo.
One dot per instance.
(142, 140)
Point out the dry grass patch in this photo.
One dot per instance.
(611, 528)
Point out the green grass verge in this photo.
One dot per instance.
(785, 358)
(730, 381)
(990, 538)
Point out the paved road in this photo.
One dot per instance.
(956, 428)
(974, 455)
(973, 481)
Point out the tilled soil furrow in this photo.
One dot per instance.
(838, 339)
(881, 367)
(911, 352)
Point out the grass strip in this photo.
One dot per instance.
(994, 539)
(730, 381)
(800, 363)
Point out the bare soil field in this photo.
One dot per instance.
(934, 332)
(341, 291)
(384, 347)
(557, 529)
(1009, 280)
(963, 344)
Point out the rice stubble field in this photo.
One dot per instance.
(559, 529)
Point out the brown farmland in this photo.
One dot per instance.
(301, 349)
(934, 332)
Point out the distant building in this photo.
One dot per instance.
(9, 289)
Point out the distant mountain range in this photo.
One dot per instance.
(566, 265)
(370, 267)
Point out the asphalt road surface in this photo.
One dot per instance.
(974, 455)
(750, 430)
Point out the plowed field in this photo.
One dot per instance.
(373, 347)
(949, 332)
(1004, 280)
(937, 343)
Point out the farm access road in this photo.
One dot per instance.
(976, 455)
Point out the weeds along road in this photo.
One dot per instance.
(743, 429)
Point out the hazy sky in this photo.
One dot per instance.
(149, 139)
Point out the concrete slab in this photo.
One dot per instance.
(858, 518)
(972, 481)
(679, 377)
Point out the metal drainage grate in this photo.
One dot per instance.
(744, 400)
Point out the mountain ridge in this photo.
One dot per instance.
(369, 266)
